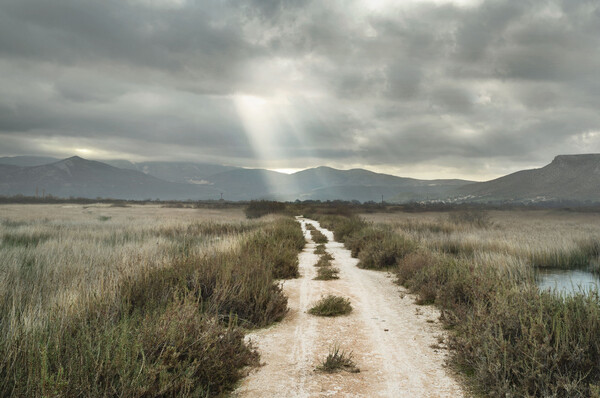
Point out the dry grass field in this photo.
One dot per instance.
(508, 337)
(59, 256)
(542, 238)
(87, 294)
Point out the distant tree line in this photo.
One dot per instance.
(258, 208)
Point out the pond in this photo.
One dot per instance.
(567, 281)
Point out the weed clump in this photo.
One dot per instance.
(318, 237)
(327, 273)
(331, 306)
(337, 360)
(324, 261)
(320, 249)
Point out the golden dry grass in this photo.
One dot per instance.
(143, 300)
(85, 251)
(522, 236)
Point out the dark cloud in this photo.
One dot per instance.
(445, 86)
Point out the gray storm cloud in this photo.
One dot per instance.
(448, 89)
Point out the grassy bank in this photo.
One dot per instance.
(136, 302)
(507, 337)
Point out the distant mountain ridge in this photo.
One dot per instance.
(78, 177)
(567, 177)
(326, 183)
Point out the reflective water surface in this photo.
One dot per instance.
(566, 281)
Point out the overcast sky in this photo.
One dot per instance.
(468, 89)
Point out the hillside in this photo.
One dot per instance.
(568, 177)
(182, 172)
(326, 183)
(78, 177)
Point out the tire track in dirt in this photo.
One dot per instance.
(391, 338)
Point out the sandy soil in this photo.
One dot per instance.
(394, 342)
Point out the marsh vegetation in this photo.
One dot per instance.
(136, 301)
(509, 337)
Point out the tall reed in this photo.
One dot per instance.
(137, 306)
(507, 336)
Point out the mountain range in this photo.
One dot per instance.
(568, 177)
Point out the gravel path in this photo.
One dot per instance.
(394, 342)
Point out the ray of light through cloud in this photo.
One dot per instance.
(439, 88)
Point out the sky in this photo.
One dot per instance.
(429, 89)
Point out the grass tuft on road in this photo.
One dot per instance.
(327, 273)
(331, 306)
(338, 360)
(318, 237)
(320, 249)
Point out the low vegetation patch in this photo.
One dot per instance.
(327, 273)
(310, 227)
(580, 257)
(331, 306)
(324, 261)
(259, 208)
(277, 246)
(327, 256)
(475, 217)
(338, 360)
(378, 248)
(320, 249)
(26, 240)
(169, 324)
(318, 237)
(342, 226)
(509, 337)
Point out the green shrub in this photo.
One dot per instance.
(327, 273)
(531, 343)
(331, 306)
(384, 252)
(176, 351)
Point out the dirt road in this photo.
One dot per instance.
(391, 338)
